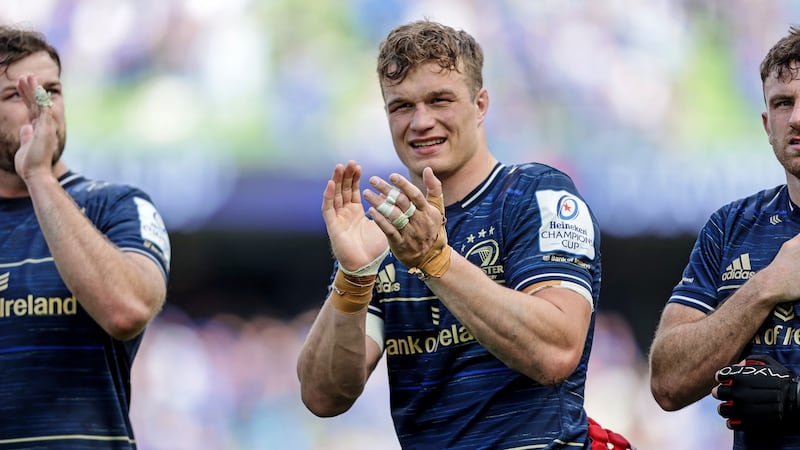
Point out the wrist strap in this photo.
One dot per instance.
(369, 269)
(351, 294)
(437, 261)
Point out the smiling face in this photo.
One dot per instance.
(435, 121)
(781, 120)
(13, 111)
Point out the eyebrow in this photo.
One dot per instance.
(429, 95)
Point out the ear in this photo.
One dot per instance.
(482, 104)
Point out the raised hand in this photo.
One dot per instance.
(356, 241)
(39, 139)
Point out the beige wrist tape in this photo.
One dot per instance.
(437, 261)
(351, 294)
(369, 269)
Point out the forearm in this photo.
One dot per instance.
(332, 366)
(122, 292)
(529, 334)
(685, 356)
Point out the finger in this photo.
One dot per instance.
(435, 195)
(328, 201)
(391, 232)
(723, 392)
(350, 175)
(336, 179)
(725, 409)
(388, 198)
(25, 134)
(383, 204)
(26, 86)
(410, 191)
(355, 186)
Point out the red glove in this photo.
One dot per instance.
(604, 439)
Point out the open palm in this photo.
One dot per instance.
(355, 239)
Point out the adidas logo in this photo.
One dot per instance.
(4, 281)
(739, 269)
(385, 282)
(776, 219)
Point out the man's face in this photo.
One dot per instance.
(434, 119)
(13, 111)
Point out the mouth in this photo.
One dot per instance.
(427, 143)
(794, 141)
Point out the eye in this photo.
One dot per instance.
(400, 107)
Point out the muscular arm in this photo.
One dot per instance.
(337, 356)
(121, 291)
(335, 361)
(541, 335)
(690, 346)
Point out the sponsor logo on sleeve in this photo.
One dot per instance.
(153, 230)
(566, 224)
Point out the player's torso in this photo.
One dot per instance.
(438, 372)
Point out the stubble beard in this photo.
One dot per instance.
(9, 145)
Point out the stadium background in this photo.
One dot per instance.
(232, 113)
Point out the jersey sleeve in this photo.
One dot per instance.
(553, 237)
(133, 224)
(697, 288)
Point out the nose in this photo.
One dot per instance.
(422, 118)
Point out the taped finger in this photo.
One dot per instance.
(410, 211)
(391, 197)
(42, 97)
(400, 222)
(385, 208)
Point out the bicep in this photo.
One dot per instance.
(574, 307)
(151, 279)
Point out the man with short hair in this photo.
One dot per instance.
(477, 279)
(83, 270)
(730, 326)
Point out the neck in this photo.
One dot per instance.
(458, 184)
(13, 186)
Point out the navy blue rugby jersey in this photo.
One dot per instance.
(524, 224)
(738, 240)
(64, 382)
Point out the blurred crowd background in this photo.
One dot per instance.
(232, 114)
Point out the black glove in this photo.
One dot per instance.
(760, 393)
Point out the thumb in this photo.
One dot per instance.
(25, 134)
(435, 195)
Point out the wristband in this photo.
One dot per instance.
(437, 261)
(369, 269)
(351, 294)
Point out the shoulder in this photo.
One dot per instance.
(538, 175)
(768, 201)
(81, 187)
